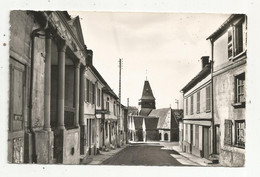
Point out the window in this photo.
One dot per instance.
(186, 106)
(94, 93)
(114, 108)
(235, 40)
(198, 102)
(228, 132)
(98, 97)
(107, 104)
(240, 88)
(240, 133)
(87, 91)
(191, 104)
(208, 100)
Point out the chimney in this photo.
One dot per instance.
(204, 61)
(89, 59)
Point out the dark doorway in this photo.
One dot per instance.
(166, 136)
(206, 142)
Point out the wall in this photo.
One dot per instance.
(224, 91)
(201, 86)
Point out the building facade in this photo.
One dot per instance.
(57, 109)
(229, 53)
(197, 120)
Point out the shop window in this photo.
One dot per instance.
(228, 132)
(240, 133)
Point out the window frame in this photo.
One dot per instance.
(198, 102)
(236, 39)
(208, 98)
(237, 122)
(191, 104)
(238, 92)
(187, 104)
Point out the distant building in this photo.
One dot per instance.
(150, 124)
(229, 53)
(167, 123)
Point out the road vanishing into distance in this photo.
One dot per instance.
(150, 154)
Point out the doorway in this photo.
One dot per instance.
(16, 112)
(206, 142)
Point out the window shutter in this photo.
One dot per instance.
(228, 132)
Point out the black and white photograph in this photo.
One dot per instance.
(97, 88)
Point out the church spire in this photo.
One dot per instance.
(147, 92)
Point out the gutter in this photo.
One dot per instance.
(212, 99)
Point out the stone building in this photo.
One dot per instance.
(56, 94)
(197, 120)
(229, 53)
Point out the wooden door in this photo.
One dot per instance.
(16, 112)
(206, 142)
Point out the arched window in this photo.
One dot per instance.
(160, 136)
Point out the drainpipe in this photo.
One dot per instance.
(212, 99)
(33, 35)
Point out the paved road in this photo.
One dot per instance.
(144, 154)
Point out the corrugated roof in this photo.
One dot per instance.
(147, 92)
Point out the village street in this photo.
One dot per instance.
(149, 153)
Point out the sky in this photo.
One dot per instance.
(164, 47)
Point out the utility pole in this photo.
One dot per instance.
(119, 95)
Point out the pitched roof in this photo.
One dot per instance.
(132, 110)
(162, 115)
(145, 111)
(147, 92)
(225, 25)
(76, 27)
(200, 76)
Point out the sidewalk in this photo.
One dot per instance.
(197, 160)
(98, 159)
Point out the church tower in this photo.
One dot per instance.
(147, 100)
